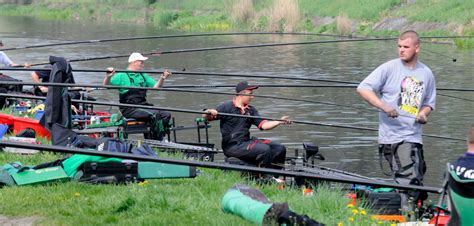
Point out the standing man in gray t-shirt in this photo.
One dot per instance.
(407, 93)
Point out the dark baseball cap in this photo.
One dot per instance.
(244, 86)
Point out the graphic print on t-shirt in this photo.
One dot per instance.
(410, 96)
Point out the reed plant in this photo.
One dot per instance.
(343, 25)
(284, 16)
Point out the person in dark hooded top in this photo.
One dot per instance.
(58, 102)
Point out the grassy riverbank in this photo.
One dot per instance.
(193, 201)
(160, 202)
(364, 17)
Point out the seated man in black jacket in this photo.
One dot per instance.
(236, 140)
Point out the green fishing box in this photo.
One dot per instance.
(40, 175)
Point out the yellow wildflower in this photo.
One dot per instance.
(355, 212)
(351, 219)
(350, 206)
(339, 224)
(362, 212)
(77, 194)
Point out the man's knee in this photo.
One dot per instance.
(264, 153)
(282, 149)
(164, 115)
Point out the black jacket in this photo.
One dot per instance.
(58, 102)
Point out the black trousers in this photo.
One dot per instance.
(155, 117)
(260, 152)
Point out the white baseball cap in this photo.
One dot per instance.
(136, 56)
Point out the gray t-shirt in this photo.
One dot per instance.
(5, 60)
(406, 90)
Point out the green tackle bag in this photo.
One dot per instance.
(5, 177)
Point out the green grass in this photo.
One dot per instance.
(159, 202)
(369, 10)
(456, 11)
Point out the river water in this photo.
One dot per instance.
(344, 149)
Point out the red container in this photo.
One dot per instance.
(6, 119)
(105, 116)
(20, 124)
(441, 221)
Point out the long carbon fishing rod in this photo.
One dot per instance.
(173, 89)
(93, 41)
(349, 83)
(222, 166)
(181, 91)
(180, 110)
(204, 35)
(156, 53)
(186, 73)
(243, 47)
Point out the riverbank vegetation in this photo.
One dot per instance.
(364, 17)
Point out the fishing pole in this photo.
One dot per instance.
(349, 83)
(75, 85)
(185, 73)
(207, 86)
(194, 91)
(221, 166)
(156, 53)
(190, 91)
(178, 90)
(93, 41)
(180, 110)
(207, 35)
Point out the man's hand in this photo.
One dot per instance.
(43, 89)
(285, 120)
(421, 118)
(210, 114)
(391, 112)
(166, 74)
(213, 112)
(110, 72)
